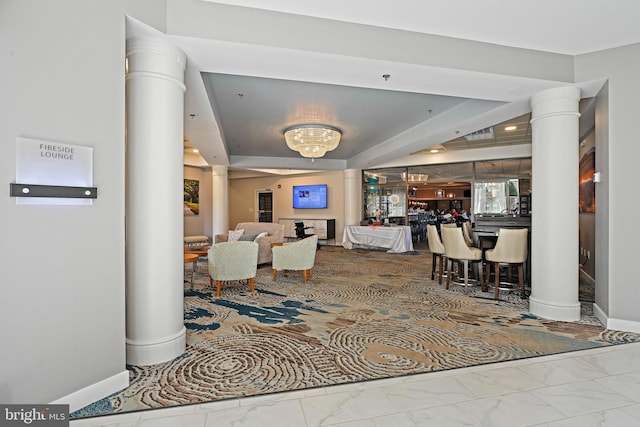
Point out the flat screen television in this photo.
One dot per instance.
(310, 196)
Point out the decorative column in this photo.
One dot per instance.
(220, 199)
(154, 201)
(352, 196)
(554, 218)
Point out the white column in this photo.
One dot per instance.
(352, 196)
(220, 199)
(154, 199)
(554, 219)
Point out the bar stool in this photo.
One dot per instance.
(437, 251)
(456, 249)
(510, 250)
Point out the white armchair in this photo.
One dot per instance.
(300, 256)
(233, 261)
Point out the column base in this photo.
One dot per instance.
(144, 353)
(554, 311)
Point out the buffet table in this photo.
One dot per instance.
(396, 239)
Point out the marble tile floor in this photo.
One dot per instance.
(599, 387)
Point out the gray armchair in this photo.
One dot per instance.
(300, 256)
(233, 261)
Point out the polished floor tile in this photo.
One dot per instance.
(599, 387)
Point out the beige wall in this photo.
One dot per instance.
(242, 198)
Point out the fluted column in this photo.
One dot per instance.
(554, 220)
(352, 196)
(154, 199)
(220, 199)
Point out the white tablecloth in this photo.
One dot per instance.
(397, 239)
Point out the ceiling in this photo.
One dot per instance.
(254, 111)
(239, 117)
(569, 26)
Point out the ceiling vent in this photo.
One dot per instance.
(486, 133)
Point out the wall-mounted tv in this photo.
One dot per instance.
(310, 196)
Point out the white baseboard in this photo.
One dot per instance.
(616, 324)
(94, 392)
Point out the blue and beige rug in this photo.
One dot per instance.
(364, 315)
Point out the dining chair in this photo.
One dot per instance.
(511, 251)
(437, 252)
(230, 261)
(457, 250)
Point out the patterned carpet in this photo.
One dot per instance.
(364, 315)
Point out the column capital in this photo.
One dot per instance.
(220, 170)
(555, 102)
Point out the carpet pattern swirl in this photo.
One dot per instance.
(363, 315)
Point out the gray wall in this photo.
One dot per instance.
(616, 144)
(62, 323)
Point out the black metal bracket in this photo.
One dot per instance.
(59, 191)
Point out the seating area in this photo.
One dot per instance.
(237, 253)
(263, 233)
(454, 255)
(454, 247)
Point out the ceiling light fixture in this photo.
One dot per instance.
(312, 140)
(486, 133)
(435, 150)
(508, 128)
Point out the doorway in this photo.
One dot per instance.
(264, 205)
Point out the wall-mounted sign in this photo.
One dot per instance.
(53, 163)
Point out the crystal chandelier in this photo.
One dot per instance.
(312, 140)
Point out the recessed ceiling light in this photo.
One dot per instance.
(435, 150)
(511, 128)
(195, 150)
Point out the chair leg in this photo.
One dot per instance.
(465, 265)
(304, 276)
(449, 262)
(251, 285)
(497, 285)
(487, 276)
(310, 272)
(218, 287)
(434, 259)
(275, 273)
(211, 282)
(521, 280)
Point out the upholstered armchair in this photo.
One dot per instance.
(233, 261)
(300, 256)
